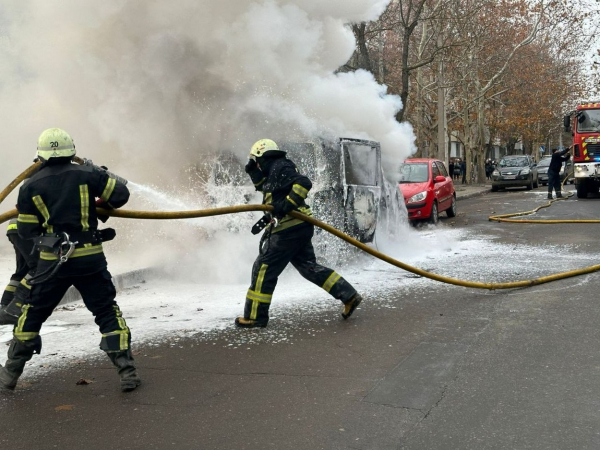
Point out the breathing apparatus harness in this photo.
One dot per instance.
(61, 245)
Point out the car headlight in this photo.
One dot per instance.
(421, 196)
(525, 172)
(495, 173)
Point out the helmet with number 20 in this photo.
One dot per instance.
(55, 143)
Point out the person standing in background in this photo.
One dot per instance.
(463, 171)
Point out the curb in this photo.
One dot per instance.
(121, 282)
(473, 194)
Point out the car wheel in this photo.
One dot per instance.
(530, 185)
(451, 212)
(435, 217)
(494, 188)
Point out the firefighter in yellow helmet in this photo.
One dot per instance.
(285, 239)
(57, 209)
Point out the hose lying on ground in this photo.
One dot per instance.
(506, 217)
(328, 228)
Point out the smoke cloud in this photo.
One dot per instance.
(150, 88)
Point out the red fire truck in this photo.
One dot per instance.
(584, 125)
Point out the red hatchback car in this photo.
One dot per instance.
(427, 189)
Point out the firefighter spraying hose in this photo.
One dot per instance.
(170, 215)
(63, 225)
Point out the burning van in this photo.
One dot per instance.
(348, 190)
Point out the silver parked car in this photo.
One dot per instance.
(515, 171)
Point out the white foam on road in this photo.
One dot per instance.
(168, 310)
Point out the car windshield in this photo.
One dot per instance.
(414, 172)
(514, 162)
(544, 162)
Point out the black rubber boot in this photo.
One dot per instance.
(240, 322)
(10, 314)
(19, 353)
(123, 361)
(351, 305)
(559, 195)
(549, 196)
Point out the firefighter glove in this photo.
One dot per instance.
(281, 208)
(251, 166)
(105, 205)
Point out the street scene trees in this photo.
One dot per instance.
(482, 79)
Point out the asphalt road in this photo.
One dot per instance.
(449, 368)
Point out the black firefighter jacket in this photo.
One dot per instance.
(62, 198)
(281, 183)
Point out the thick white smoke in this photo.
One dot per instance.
(149, 87)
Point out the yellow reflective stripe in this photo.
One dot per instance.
(260, 182)
(22, 336)
(287, 224)
(254, 310)
(18, 332)
(84, 197)
(258, 297)
(301, 191)
(268, 198)
(10, 288)
(123, 338)
(12, 226)
(24, 283)
(260, 278)
(108, 190)
(288, 198)
(41, 206)
(85, 251)
(333, 278)
(120, 319)
(28, 218)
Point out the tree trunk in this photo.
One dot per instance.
(364, 61)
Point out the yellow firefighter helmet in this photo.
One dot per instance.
(264, 146)
(55, 143)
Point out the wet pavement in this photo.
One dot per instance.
(441, 367)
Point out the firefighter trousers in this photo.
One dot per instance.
(26, 262)
(98, 293)
(289, 246)
(554, 182)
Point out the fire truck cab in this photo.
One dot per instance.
(584, 125)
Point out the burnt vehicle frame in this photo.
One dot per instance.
(349, 190)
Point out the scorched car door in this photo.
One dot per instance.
(362, 185)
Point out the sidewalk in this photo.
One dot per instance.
(470, 190)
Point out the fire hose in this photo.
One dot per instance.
(248, 208)
(507, 217)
